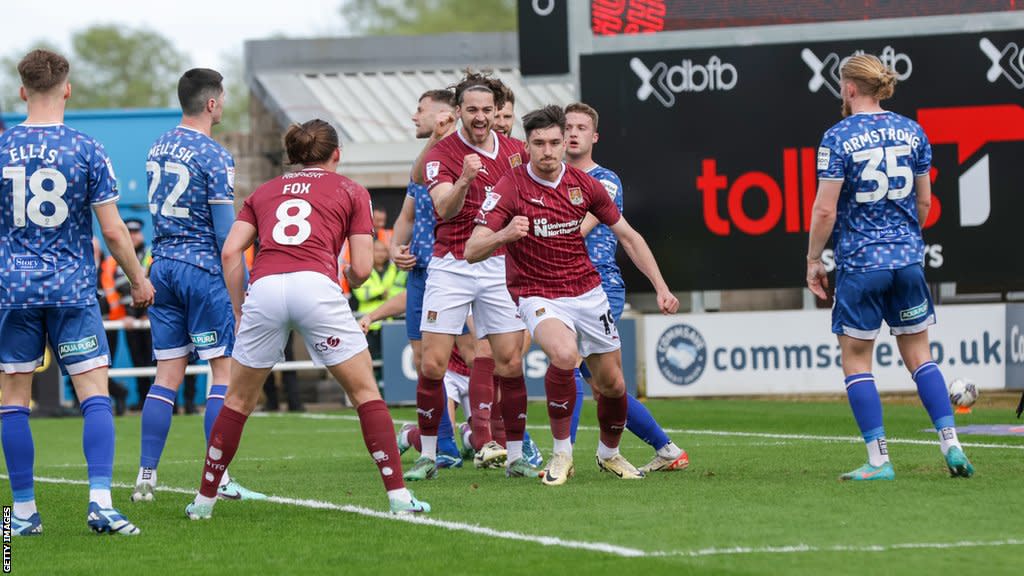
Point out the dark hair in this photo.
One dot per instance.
(510, 96)
(445, 96)
(581, 108)
(43, 70)
(480, 82)
(545, 117)
(196, 87)
(312, 142)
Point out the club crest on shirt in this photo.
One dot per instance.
(490, 202)
(515, 160)
(576, 196)
(433, 169)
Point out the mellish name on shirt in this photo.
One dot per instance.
(174, 150)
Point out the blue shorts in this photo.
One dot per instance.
(615, 289)
(191, 312)
(900, 297)
(75, 334)
(415, 285)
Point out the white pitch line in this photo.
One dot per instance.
(602, 547)
(420, 520)
(684, 431)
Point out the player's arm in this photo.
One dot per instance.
(640, 253)
(119, 241)
(223, 215)
(393, 306)
(444, 126)
(361, 259)
(589, 223)
(232, 259)
(449, 197)
(823, 219)
(484, 241)
(923, 185)
(402, 235)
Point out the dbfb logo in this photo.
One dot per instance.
(664, 81)
(826, 71)
(1007, 62)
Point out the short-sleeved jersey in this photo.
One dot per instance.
(877, 157)
(444, 165)
(50, 177)
(187, 171)
(602, 242)
(302, 220)
(551, 261)
(421, 245)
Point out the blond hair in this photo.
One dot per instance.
(870, 75)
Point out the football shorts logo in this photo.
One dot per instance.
(204, 338)
(540, 312)
(515, 160)
(333, 341)
(431, 316)
(576, 196)
(77, 347)
(490, 202)
(433, 169)
(681, 354)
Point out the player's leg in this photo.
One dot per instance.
(78, 336)
(551, 329)
(172, 348)
(22, 346)
(909, 312)
(481, 391)
(600, 345)
(856, 318)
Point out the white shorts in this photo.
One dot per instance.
(588, 315)
(456, 289)
(456, 385)
(308, 302)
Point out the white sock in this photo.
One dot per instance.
(401, 495)
(563, 446)
(204, 501)
(429, 446)
(948, 439)
(146, 476)
(670, 451)
(101, 496)
(604, 452)
(224, 479)
(467, 437)
(514, 449)
(403, 436)
(25, 509)
(878, 452)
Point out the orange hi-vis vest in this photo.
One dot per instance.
(108, 271)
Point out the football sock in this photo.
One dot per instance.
(611, 417)
(577, 409)
(513, 407)
(401, 495)
(498, 432)
(379, 437)
(224, 439)
(156, 423)
(515, 450)
(481, 399)
(445, 431)
(430, 406)
(640, 422)
(98, 445)
(867, 410)
(429, 444)
(20, 455)
(146, 476)
(214, 402)
(931, 388)
(669, 450)
(562, 446)
(560, 388)
(605, 452)
(412, 436)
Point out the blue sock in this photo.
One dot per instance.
(866, 405)
(445, 433)
(214, 402)
(581, 388)
(639, 421)
(156, 423)
(526, 438)
(931, 388)
(19, 451)
(98, 441)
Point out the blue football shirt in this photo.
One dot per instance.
(602, 242)
(50, 177)
(877, 157)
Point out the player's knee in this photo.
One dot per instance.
(432, 368)
(511, 367)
